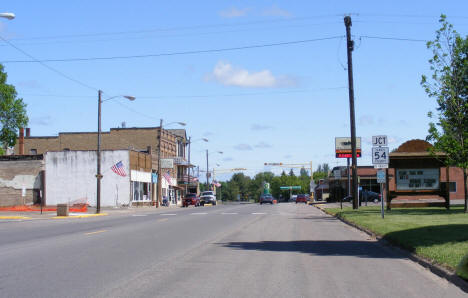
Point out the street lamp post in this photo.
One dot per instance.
(207, 169)
(99, 174)
(189, 147)
(161, 131)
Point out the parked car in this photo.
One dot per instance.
(370, 196)
(191, 199)
(207, 197)
(293, 198)
(266, 199)
(301, 199)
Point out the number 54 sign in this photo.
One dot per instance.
(379, 155)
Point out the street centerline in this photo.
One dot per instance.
(96, 232)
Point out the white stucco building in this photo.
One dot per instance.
(70, 177)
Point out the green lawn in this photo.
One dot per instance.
(433, 233)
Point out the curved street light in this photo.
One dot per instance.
(7, 15)
(161, 129)
(99, 174)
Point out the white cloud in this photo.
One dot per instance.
(234, 12)
(41, 120)
(263, 145)
(275, 11)
(243, 147)
(366, 120)
(228, 75)
(260, 127)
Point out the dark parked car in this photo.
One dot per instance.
(266, 199)
(191, 199)
(301, 199)
(370, 196)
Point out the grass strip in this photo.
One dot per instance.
(433, 233)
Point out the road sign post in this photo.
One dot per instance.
(380, 160)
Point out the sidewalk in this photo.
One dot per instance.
(91, 212)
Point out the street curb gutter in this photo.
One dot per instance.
(426, 263)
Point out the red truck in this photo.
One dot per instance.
(191, 199)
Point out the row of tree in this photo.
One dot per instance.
(245, 188)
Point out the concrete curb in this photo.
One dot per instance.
(15, 217)
(80, 216)
(426, 263)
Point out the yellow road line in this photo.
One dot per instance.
(80, 216)
(96, 232)
(14, 217)
(162, 219)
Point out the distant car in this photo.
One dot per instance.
(191, 199)
(293, 198)
(207, 197)
(266, 199)
(301, 199)
(371, 196)
(348, 199)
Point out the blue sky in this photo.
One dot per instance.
(267, 104)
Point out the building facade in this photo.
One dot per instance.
(143, 139)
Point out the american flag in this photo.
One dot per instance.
(167, 176)
(118, 168)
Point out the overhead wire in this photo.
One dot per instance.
(49, 67)
(191, 52)
(157, 97)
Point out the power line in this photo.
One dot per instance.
(393, 38)
(48, 67)
(177, 53)
(195, 96)
(146, 37)
(180, 28)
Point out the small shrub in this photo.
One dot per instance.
(462, 268)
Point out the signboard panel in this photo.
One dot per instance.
(380, 155)
(337, 174)
(343, 147)
(167, 163)
(379, 141)
(380, 176)
(415, 179)
(290, 187)
(381, 166)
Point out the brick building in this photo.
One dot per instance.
(21, 179)
(144, 139)
(412, 151)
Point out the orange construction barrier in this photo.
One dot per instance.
(32, 208)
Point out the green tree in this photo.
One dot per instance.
(291, 173)
(448, 84)
(12, 113)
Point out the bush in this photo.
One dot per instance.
(462, 268)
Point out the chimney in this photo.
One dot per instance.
(28, 132)
(21, 141)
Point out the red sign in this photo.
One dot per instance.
(347, 155)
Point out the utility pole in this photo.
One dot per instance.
(98, 174)
(189, 165)
(350, 48)
(207, 171)
(159, 164)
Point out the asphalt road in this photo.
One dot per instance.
(284, 250)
